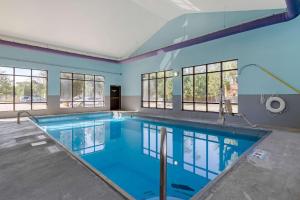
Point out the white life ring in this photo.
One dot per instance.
(279, 100)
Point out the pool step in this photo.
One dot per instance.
(38, 143)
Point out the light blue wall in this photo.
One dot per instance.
(276, 47)
(18, 57)
(193, 25)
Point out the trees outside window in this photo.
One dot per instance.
(202, 85)
(22, 89)
(157, 90)
(81, 90)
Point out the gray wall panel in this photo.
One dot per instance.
(248, 105)
(53, 108)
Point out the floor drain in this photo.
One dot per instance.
(53, 149)
(258, 153)
(38, 143)
(41, 137)
(260, 158)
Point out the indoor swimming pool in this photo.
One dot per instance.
(127, 151)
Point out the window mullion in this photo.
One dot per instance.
(182, 92)
(47, 89)
(221, 85)
(193, 88)
(142, 91)
(164, 89)
(72, 91)
(14, 90)
(94, 91)
(31, 90)
(148, 90)
(206, 88)
(156, 88)
(84, 81)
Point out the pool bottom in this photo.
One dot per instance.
(127, 152)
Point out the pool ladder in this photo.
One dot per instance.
(163, 164)
(228, 109)
(30, 116)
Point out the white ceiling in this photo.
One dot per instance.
(107, 28)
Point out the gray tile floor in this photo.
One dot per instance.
(274, 177)
(43, 172)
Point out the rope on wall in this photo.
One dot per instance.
(275, 77)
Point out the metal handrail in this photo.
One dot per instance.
(221, 109)
(30, 115)
(222, 113)
(269, 73)
(163, 164)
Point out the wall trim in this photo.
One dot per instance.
(293, 10)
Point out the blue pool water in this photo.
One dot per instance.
(126, 151)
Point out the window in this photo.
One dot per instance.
(81, 90)
(151, 141)
(203, 154)
(201, 86)
(157, 90)
(88, 139)
(22, 89)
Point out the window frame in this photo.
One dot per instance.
(84, 80)
(84, 150)
(165, 77)
(208, 139)
(206, 73)
(31, 76)
(147, 151)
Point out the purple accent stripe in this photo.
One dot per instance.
(230, 31)
(48, 50)
(293, 10)
(274, 19)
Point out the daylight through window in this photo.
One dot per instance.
(157, 90)
(81, 90)
(201, 86)
(22, 89)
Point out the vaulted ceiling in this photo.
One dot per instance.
(106, 28)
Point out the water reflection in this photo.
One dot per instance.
(115, 129)
(151, 141)
(82, 140)
(129, 149)
(202, 154)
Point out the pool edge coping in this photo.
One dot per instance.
(109, 182)
(83, 113)
(202, 193)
